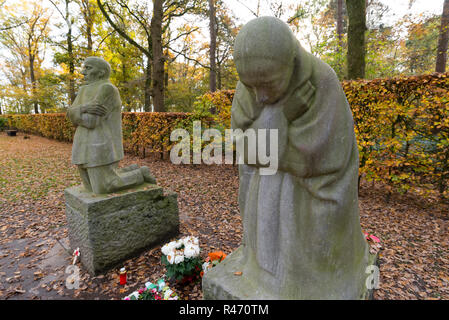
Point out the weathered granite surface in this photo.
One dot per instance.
(223, 284)
(111, 228)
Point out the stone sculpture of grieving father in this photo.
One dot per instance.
(97, 144)
(107, 226)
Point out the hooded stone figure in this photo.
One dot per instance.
(302, 237)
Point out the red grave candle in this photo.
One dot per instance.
(122, 276)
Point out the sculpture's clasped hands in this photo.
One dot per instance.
(304, 98)
(95, 109)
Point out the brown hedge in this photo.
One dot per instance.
(402, 129)
(401, 124)
(142, 131)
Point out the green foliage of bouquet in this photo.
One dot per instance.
(153, 291)
(182, 259)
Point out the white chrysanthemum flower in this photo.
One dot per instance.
(179, 259)
(190, 240)
(178, 244)
(166, 249)
(171, 257)
(191, 251)
(169, 247)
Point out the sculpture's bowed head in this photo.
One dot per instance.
(264, 54)
(94, 69)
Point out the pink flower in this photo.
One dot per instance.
(140, 291)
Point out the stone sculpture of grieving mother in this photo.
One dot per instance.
(302, 237)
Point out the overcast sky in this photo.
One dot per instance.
(398, 8)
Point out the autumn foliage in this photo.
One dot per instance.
(49, 125)
(401, 124)
(402, 129)
(142, 131)
(149, 131)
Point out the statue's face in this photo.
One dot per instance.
(269, 80)
(91, 72)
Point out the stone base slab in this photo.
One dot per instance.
(221, 282)
(111, 228)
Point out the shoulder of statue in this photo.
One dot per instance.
(108, 88)
(107, 85)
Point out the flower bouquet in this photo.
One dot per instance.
(213, 258)
(151, 291)
(182, 259)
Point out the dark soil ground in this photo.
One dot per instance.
(414, 259)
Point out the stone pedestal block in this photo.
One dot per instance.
(111, 228)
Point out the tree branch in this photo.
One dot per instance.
(188, 58)
(121, 32)
(243, 4)
(181, 35)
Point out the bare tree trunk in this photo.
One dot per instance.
(166, 78)
(71, 66)
(70, 53)
(213, 47)
(443, 39)
(71, 60)
(158, 58)
(356, 38)
(33, 84)
(88, 19)
(340, 30)
(147, 87)
(219, 83)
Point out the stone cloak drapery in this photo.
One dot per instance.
(302, 231)
(97, 140)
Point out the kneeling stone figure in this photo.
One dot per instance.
(97, 143)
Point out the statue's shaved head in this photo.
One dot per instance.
(266, 38)
(101, 64)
